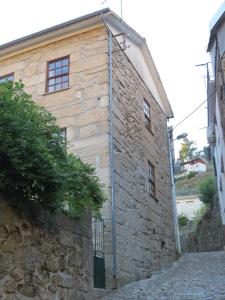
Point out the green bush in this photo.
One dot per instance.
(183, 220)
(34, 163)
(198, 215)
(207, 190)
(191, 174)
(180, 178)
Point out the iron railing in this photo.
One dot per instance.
(98, 237)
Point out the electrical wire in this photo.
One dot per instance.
(194, 110)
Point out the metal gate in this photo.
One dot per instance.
(99, 253)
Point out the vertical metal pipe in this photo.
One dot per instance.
(112, 164)
(177, 236)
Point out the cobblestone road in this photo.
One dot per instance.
(196, 276)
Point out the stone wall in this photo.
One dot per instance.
(145, 238)
(44, 256)
(209, 235)
(144, 229)
(82, 108)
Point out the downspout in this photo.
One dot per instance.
(114, 271)
(175, 220)
(113, 201)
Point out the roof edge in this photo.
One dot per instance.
(53, 28)
(215, 23)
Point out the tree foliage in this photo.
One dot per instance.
(207, 190)
(188, 150)
(34, 162)
(182, 220)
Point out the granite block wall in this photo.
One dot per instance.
(44, 256)
(144, 224)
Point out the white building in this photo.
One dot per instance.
(188, 205)
(216, 102)
(195, 165)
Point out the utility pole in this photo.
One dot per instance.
(207, 74)
(121, 9)
(207, 84)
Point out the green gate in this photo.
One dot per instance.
(99, 254)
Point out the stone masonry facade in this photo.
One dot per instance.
(43, 255)
(144, 225)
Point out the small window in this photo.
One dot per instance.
(151, 179)
(147, 111)
(58, 74)
(147, 115)
(221, 185)
(222, 164)
(63, 133)
(8, 77)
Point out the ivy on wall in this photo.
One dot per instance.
(34, 162)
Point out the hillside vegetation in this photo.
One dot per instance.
(187, 185)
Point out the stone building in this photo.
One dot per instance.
(97, 76)
(216, 102)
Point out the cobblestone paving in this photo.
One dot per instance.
(196, 276)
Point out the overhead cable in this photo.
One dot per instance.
(194, 110)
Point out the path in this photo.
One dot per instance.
(196, 276)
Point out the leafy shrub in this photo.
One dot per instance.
(182, 220)
(198, 215)
(180, 178)
(207, 190)
(34, 163)
(191, 174)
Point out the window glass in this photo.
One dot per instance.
(63, 133)
(151, 179)
(52, 66)
(65, 85)
(8, 77)
(58, 74)
(58, 64)
(147, 110)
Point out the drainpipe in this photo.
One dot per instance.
(112, 167)
(175, 220)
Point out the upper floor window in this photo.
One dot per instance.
(147, 111)
(151, 179)
(8, 77)
(58, 74)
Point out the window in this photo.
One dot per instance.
(147, 111)
(8, 77)
(63, 133)
(58, 74)
(151, 179)
(147, 114)
(221, 185)
(222, 164)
